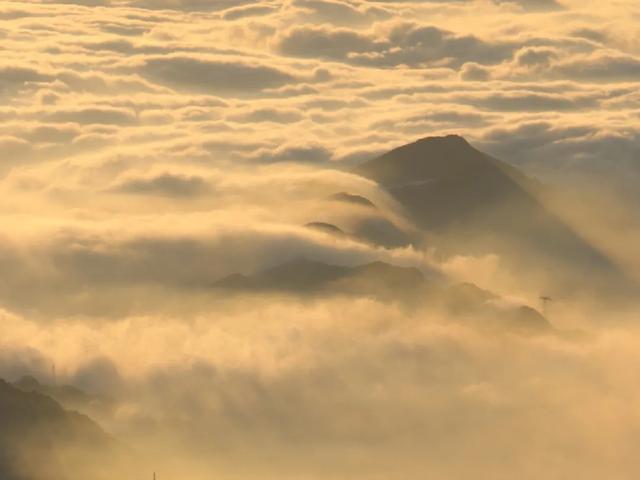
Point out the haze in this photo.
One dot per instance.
(305, 239)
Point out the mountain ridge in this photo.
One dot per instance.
(304, 275)
(468, 202)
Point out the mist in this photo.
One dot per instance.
(273, 387)
(459, 377)
(305, 239)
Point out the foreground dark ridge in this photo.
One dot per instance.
(39, 440)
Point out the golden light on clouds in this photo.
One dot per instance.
(204, 236)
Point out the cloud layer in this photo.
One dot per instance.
(150, 147)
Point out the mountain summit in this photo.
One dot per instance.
(468, 202)
(443, 180)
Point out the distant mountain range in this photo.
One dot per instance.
(305, 276)
(464, 302)
(458, 201)
(465, 202)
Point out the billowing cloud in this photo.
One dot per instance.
(402, 44)
(166, 184)
(149, 148)
(13, 78)
(602, 67)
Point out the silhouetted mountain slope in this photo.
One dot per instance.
(306, 276)
(441, 180)
(470, 202)
(465, 303)
(469, 303)
(41, 440)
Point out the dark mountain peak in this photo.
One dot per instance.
(326, 228)
(428, 160)
(451, 141)
(444, 179)
(353, 198)
(470, 202)
(11, 397)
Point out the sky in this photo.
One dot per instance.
(148, 148)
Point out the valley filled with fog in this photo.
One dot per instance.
(277, 346)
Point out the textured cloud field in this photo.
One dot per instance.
(149, 148)
(143, 118)
(108, 98)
